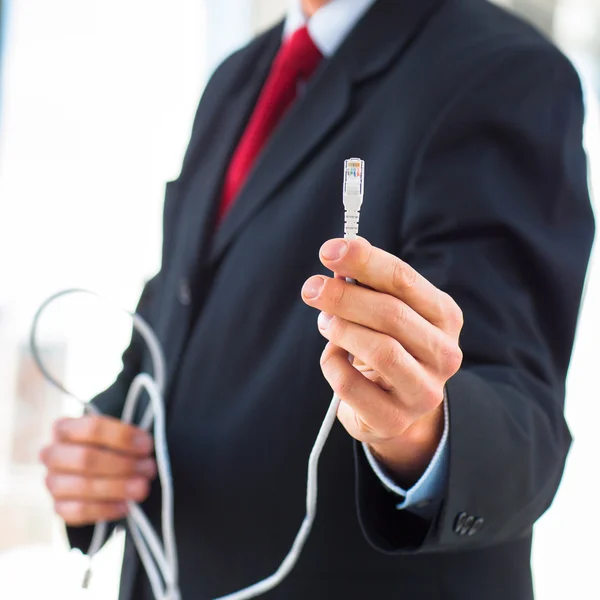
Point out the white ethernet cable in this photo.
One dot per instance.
(160, 561)
(354, 170)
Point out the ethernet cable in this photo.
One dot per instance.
(160, 559)
(353, 192)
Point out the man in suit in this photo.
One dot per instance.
(452, 440)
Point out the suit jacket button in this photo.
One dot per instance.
(477, 525)
(467, 525)
(184, 293)
(459, 522)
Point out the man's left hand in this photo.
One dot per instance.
(403, 333)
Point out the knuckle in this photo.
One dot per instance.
(455, 360)
(84, 459)
(365, 251)
(103, 489)
(121, 429)
(338, 293)
(61, 429)
(325, 357)
(329, 370)
(83, 487)
(50, 457)
(99, 489)
(403, 276)
(119, 434)
(117, 490)
(337, 328)
(431, 397)
(394, 315)
(343, 385)
(125, 466)
(450, 358)
(361, 426)
(387, 355)
(127, 435)
(62, 486)
(79, 511)
(44, 454)
(92, 428)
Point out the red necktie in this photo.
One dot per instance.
(296, 61)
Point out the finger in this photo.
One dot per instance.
(388, 315)
(86, 513)
(105, 432)
(376, 409)
(387, 273)
(356, 427)
(92, 461)
(76, 487)
(386, 356)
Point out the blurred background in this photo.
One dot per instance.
(96, 104)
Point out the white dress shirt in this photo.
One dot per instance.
(328, 28)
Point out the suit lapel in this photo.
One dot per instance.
(223, 124)
(308, 122)
(380, 37)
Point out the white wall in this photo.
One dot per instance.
(98, 99)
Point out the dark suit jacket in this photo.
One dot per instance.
(470, 124)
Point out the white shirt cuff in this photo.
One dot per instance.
(422, 496)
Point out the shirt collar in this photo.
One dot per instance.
(330, 25)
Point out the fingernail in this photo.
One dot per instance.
(334, 249)
(312, 288)
(142, 441)
(324, 320)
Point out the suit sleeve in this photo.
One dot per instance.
(498, 215)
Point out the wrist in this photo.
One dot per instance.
(406, 457)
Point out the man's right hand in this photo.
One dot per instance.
(95, 465)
